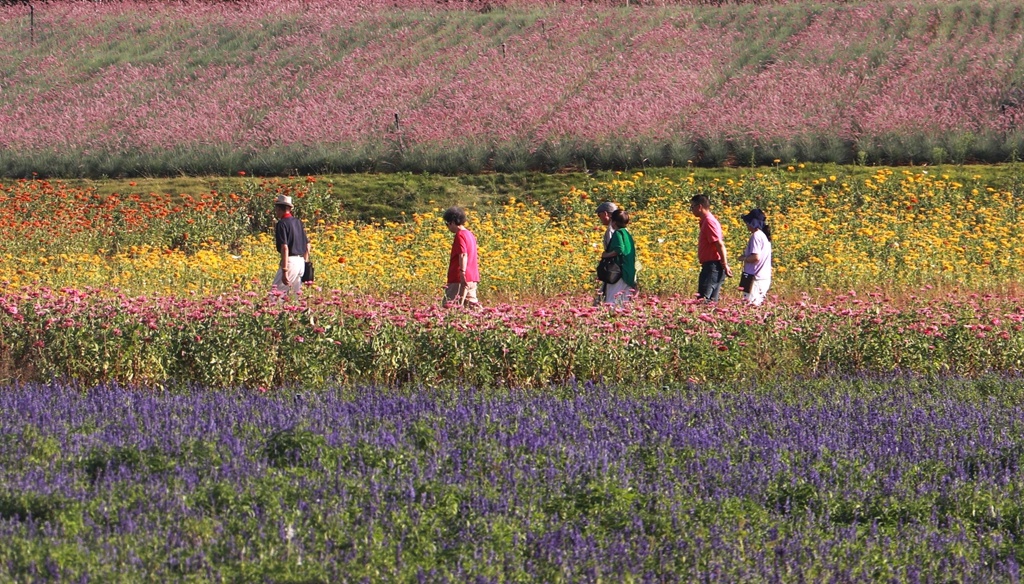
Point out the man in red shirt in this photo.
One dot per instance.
(714, 263)
(463, 271)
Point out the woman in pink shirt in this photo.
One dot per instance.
(463, 271)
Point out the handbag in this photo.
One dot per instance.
(307, 272)
(609, 271)
(746, 282)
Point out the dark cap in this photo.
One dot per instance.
(754, 215)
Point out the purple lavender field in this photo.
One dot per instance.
(843, 480)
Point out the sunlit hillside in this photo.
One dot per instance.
(141, 88)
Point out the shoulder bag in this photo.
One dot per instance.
(746, 282)
(609, 271)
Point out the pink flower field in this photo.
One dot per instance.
(379, 85)
(249, 339)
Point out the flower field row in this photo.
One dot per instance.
(887, 229)
(848, 480)
(250, 340)
(148, 288)
(147, 88)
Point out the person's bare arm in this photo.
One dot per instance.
(725, 258)
(284, 264)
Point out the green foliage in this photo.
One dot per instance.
(357, 196)
(266, 348)
(294, 447)
(100, 461)
(400, 494)
(23, 506)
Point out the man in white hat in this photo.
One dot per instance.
(292, 245)
(604, 215)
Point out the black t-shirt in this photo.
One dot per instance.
(289, 231)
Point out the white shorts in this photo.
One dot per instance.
(296, 266)
(458, 295)
(758, 292)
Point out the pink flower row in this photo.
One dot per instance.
(652, 316)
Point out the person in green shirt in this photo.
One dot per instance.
(622, 247)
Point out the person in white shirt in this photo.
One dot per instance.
(757, 258)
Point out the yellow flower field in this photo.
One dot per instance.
(896, 226)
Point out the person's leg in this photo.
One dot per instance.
(296, 266)
(705, 287)
(469, 294)
(710, 283)
(718, 278)
(613, 292)
(758, 292)
(627, 295)
(453, 295)
(278, 282)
